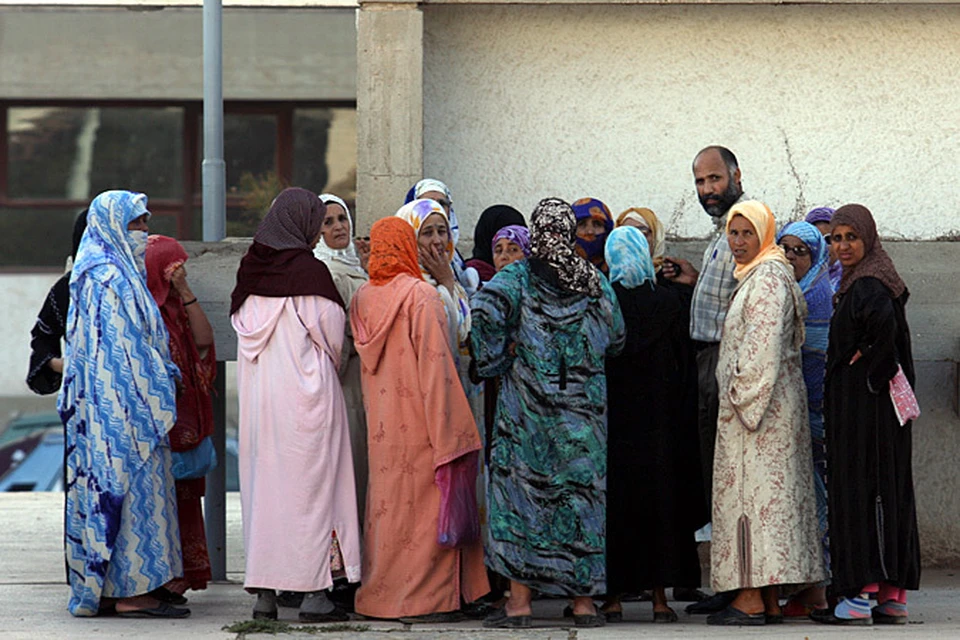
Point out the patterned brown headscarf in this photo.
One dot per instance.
(553, 241)
(876, 263)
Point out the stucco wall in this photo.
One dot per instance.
(286, 54)
(21, 296)
(822, 105)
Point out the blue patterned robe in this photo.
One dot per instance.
(546, 490)
(118, 401)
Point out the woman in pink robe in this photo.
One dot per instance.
(296, 469)
(418, 420)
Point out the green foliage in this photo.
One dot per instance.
(258, 192)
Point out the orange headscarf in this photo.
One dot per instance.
(760, 216)
(393, 250)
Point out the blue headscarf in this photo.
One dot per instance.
(818, 292)
(819, 251)
(107, 243)
(628, 257)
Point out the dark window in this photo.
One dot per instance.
(55, 157)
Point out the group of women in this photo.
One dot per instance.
(374, 374)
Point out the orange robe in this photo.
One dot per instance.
(418, 419)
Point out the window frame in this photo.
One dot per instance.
(180, 208)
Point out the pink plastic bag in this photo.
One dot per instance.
(904, 401)
(459, 522)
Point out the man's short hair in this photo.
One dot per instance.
(725, 154)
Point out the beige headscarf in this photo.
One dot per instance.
(650, 219)
(760, 216)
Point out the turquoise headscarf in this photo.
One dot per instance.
(819, 252)
(628, 257)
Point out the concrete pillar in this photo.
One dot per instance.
(389, 107)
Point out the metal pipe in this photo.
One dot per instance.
(214, 230)
(214, 168)
(215, 499)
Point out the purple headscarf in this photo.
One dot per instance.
(820, 214)
(825, 214)
(516, 234)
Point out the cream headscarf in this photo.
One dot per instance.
(760, 216)
(650, 219)
(347, 255)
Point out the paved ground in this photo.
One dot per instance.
(33, 600)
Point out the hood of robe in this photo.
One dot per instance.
(255, 323)
(380, 307)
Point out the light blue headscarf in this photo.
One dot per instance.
(819, 252)
(628, 257)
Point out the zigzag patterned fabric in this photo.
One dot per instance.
(117, 403)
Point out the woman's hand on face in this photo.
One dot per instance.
(178, 280)
(438, 265)
(363, 251)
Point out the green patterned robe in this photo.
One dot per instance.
(546, 490)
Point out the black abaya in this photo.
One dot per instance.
(654, 493)
(872, 511)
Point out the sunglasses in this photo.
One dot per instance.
(797, 251)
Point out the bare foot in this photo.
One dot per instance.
(178, 586)
(583, 606)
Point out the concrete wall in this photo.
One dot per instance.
(268, 54)
(21, 297)
(823, 104)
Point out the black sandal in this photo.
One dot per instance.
(162, 610)
(165, 595)
(731, 616)
(500, 620)
(665, 616)
(589, 620)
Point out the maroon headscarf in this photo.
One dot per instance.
(876, 263)
(194, 405)
(280, 262)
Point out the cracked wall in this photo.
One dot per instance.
(823, 104)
